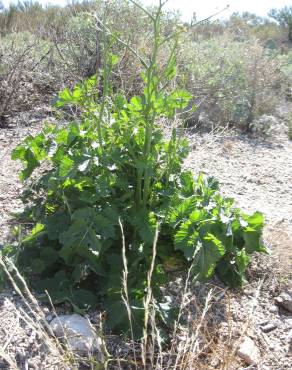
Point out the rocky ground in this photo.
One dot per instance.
(258, 174)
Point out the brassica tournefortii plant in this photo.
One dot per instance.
(110, 166)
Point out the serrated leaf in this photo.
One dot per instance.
(146, 224)
(38, 265)
(64, 98)
(209, 251)
(56, 224)
(187, 183)
(56, 286)
(186, 239)
(79, 239)
(83, 298)
(228, 273)
(252, 239)
(66, 166)
(105, 226)
(242, 261)
(182, 211)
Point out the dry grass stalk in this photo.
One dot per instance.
(34, 319)
(148, 307)
(125, 295)
(188, 351)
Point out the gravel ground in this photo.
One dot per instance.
(258, 174)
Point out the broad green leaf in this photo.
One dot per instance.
(27, 156)
(56, 224)
(255, 221)
(66, 166)
(170, 70)
(208, 251)
(228, 273)
(77, 93)
(105, 226)
(252, 239)
(64, 98)
(38, 265)
(145, 223)
(79, 239)
(83, 298)
(36, 232)
(242, 261)
(187, 183)
(182, 211)
(49, 255)
(56, 286)
(186, 239)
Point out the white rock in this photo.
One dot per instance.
(248, 351)
(285, 300)
(49, 318)
(77, 333)
(269, 327)
(274, 309)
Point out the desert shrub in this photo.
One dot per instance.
(286, 68)
(79, 47)
(24, 66)
(289, 119)
(284, 18)
(248, 25)
(232, 81)
(112, 179)
(80, 43)
(31, 16)
(264, 125)
(271, 44)
(65, 47)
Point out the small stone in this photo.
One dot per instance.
(46, 310)
(31, 364)
(78, 334)
(49, 318)
(274, 309)
(267, 328)
(285, 301)
(248, 292)
(248, 351)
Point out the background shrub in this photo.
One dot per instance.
(233, 67)
(231, 81)
(25, 73)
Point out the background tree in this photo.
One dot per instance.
(284, 17)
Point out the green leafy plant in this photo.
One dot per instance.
(114, 166)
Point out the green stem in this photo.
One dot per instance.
(149, 114)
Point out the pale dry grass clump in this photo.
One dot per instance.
(33, 317)
(196, 341)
